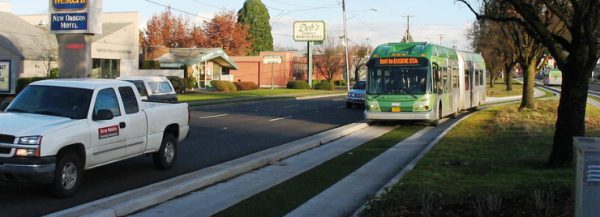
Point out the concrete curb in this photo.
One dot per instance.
(319, 96)
(134, 200)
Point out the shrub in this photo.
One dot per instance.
(340, 83)
(246, 85)
(325, 85)
(297, 84)
(224, 86)
(178, 83)
(151, 64)
(53, 73)
(23, 82)
(190, 82)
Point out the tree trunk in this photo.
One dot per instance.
(492, 79)
(571, 111)
(509, 76)
(528, 83)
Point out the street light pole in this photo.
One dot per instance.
(346, 46)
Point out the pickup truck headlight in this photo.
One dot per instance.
(27, 152)
(30, 140)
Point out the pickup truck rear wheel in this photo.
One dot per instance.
(165, 157)
(67, 175)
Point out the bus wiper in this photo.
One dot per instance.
(409, 92)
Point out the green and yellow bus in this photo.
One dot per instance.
(422, 81)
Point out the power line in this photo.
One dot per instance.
(179, 10)
(210, 5)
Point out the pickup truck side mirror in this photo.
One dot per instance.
(3, 105)
(103, 114)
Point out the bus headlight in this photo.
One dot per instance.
(373, 106)
(421, 106)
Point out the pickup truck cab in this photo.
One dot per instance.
(153, 88)
(55, 129)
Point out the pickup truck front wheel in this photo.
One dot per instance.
(165, 157)
(67, 175)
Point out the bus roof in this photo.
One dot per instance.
(413, 49)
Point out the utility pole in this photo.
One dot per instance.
(346, 46)
(441, 37)
(408, 37)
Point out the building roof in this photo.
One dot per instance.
(25, 40)
(178, 57)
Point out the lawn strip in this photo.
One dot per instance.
(292, 193)
(493, 163)
(209, 95)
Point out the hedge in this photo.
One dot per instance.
(224, 86)
(246, 85)
(297, 84)
(325, 85)
(23, 82)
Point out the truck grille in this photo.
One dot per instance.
(5, 150)
(7, 139)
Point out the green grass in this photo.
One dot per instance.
(287, 196)
(509, 162)
(260, 93)
(499, 89)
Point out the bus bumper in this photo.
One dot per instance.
(429, 116)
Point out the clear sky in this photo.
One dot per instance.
(372, 21)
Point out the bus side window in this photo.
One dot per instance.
(436, 80)
(445, 79)
(481, 78)
(467, 83)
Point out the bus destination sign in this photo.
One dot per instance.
(69, 5)
(399, 61)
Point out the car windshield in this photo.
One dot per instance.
(160, 87)
(398, 80)
(360, 85)
(66, 102)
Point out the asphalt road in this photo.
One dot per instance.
(594, 87)
(218, 133)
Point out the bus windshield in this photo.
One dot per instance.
(398, 80)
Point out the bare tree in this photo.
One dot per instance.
(329, 61)
(576, 52)
(360, 56)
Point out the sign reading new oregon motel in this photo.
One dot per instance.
(75, 16)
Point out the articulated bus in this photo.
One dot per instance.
(422, 81)
(553, 77)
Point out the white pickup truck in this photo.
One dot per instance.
(55, 129)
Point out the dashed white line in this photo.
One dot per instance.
(291, 106)
(278, 119)
(213, 116)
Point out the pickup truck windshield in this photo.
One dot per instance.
(66, 102)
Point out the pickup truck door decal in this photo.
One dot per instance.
(107, 132)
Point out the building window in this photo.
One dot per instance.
(105, 68)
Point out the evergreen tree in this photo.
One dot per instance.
(255, 15)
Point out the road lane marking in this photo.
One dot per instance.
(278, 119)
(213, 116)
(291, 106)
(341, 107)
